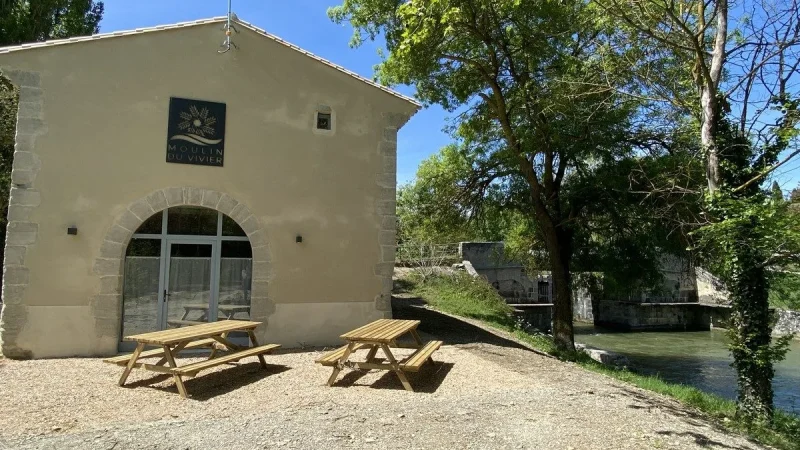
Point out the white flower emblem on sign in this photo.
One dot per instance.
(197, 127)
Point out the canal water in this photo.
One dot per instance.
(700, 359)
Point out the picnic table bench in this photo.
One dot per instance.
(212, 336)
(382, 334)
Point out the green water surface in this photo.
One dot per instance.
(700, 359)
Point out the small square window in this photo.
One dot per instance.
(323, 121)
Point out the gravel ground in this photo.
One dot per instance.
(484, 391)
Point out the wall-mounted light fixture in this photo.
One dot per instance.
(298, 239)
(73, 230)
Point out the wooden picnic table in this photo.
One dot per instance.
(212, 336)
(381, 334)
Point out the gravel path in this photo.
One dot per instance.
(484, 392)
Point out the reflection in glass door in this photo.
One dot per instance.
(141, 293)
(189, 283)
(235, 275)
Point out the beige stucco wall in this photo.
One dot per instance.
(99, 150)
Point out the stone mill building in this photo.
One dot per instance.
(158, 182)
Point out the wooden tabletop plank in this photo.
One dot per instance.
(167, 337)
(378, 330)
(386, 324)
(402, 328)
(360, 330)
(398, 330)
(386, 331)
(219, 326)
(201, 330)
(363, 328)
(183, 332)
(382, 330)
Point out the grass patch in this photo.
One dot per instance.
(462, 295)
(466, 296)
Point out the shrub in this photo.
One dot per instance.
(461, 294)
(784, 290)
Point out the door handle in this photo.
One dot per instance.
(166, 295)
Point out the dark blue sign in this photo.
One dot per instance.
(196, 132)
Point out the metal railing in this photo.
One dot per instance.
(414, 253)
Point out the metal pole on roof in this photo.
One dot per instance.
(227, 44)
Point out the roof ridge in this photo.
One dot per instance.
(246, 24)
(118, 33)
(267, 34)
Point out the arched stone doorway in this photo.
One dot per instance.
(139, 223)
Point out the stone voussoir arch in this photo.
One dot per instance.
(109, 265)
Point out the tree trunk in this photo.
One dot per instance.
(563, 335)
(708, 85)
(751, 330)
(559, 247)
(558, 242)
(707, 138)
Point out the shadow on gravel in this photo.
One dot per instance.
(427, 380)
(454, 332)
(210, 385)
(699, 438)
(653, 402)
(448, 329)
(687, 414)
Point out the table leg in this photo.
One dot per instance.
(131, 362)
(371, 354)
(416, 337)
(175, 351)
(223, 339)
(214, 347)
(254, 343)
(396, 368)
(176, 377)
(179, 347)
(339, 364)
(418, 340)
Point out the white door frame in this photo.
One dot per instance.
(163, 308)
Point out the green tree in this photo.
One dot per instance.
(785, 290)
(794, 196)
(521, 73)
(621, 232)
(733, 74)
(23, 21)
(436, 207)
(8, 116)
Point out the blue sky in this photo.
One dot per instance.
(306, 24)
(303, 23)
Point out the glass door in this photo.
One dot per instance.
(190, 286)
(184, 266)
(142, 299)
